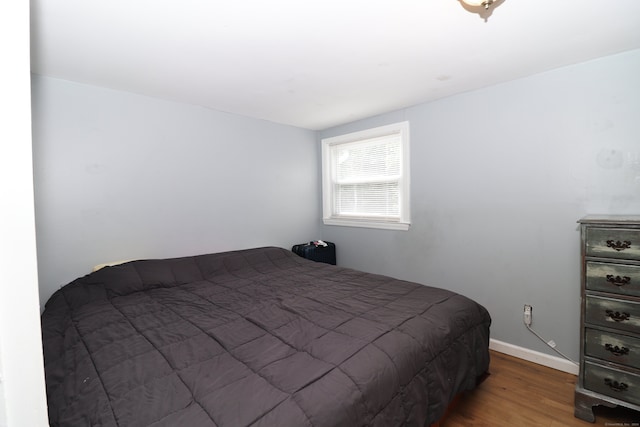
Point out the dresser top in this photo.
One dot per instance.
(610, 219)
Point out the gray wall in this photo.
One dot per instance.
(120, 176)
(499, 178)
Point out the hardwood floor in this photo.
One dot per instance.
(520, 393)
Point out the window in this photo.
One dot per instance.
(365, 178)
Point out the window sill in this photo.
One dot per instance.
(361, 223)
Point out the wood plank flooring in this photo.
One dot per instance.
(521, 393)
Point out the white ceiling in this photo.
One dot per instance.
(317, 65)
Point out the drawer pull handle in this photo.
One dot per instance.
(615, 385)
(616, 316)
(617, 280)
(618, 245)
(617, 351)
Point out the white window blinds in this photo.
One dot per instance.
(366, 177)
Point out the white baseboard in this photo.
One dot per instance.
(534, 356)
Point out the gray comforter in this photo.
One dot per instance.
(259, 337)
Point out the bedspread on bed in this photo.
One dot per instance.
(258, 337)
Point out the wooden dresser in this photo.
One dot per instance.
(610, 314)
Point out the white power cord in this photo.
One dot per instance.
(528, 319)
(551, 345)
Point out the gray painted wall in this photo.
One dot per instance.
(121, 176)
(499, 178)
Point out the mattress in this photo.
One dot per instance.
(258, 337)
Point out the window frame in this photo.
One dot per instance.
(404, 219)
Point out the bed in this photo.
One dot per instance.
(257, 337)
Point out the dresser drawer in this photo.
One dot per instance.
(613, 243)
(615, 278)
(613, 313)
(612, 382)
(616, 348)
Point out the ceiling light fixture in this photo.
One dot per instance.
(484, 8)
(476, 3)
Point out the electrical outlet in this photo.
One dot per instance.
(528, 314)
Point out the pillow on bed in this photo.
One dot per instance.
(134, 276)
(109, 264)
(122, 279)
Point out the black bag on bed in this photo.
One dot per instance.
(317, 251)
